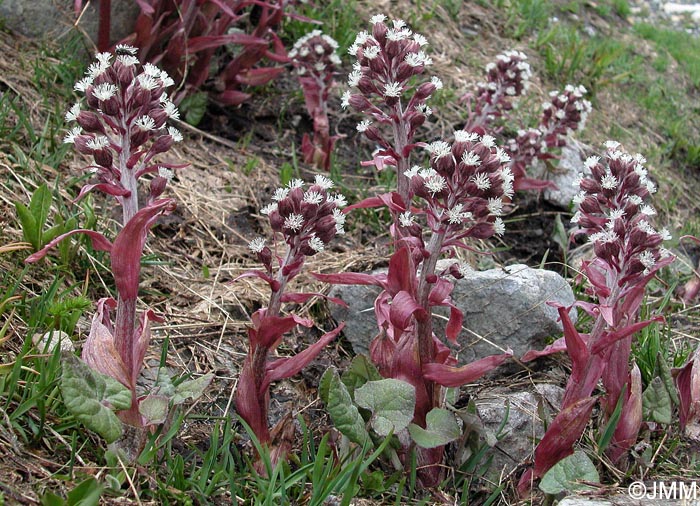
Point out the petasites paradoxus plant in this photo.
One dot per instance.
(315, 60)
(615, 214)
(306, 220)
(456, 198)
(122, 125)
(490, 109)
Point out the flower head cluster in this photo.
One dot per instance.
(615, 214)
(506, 78)
(387, 60)
(464, 185)
(307, 218)
(127, 108)
(315, 54)
(564, 114)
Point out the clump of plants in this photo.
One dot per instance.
(122, 124)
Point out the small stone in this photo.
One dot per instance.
(47, 342)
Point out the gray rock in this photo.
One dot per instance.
(625, 500)
(503, 308)
(523, 427)
(569, 167)
(49, 18)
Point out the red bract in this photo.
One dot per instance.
(306, 220)
(628, 253)
(123, 128)
(315, 61)
(186, 37)
(687, 381)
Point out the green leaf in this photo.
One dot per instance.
(391, 402)
(91, 397)
(667, 378)
(324, 384)
(344, 413)
(609, 430)
(194, 107)
(86, 493)
(656, 402)
(568, 474)
(30, 230)
(40, 204)
(441, 428)
(191, 389)
(361, 371)
(154, 408)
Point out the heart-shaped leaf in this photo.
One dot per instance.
(344, 413)
(154, 408)
(441, 428)
(361, 371)
(569, 475)
(92, 397)
(391, 402)
(656, 402)
(191, 389)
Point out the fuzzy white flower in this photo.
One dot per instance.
(470, 158)
(175, 134)
(166, 173)
(147, 82)
(579, 197)
(171, 110)
(481, 180)
(371, 52)
(377, 18)
(316, 243)
(488, 141)
(363, 125)
(413, 171)
(73, 113)
(406, 219)
(280, 193)
(72, 134)
(456, 215)
(647, 210)
(323, 182)
(345, 99)
(312, 197)
(464, 136)
(435, 184)
(97, 142)
(648, 261)
(270, 208)
(295, 183)
(338, 199)
(354, 78)
(294, 222)
(495, 206)
(145, 122)
(257, 245)
(83, 84)
(126, 49)
(392, 89)
(608, 181)
(612, 145)
(439, 149)
(104, 91)
(128, 60)
(499, 228)
(436, 82)
(420, 40)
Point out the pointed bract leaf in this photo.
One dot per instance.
(441, 428)
(99, 350)
(92, 397)
(391, 402)
(448, 376)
